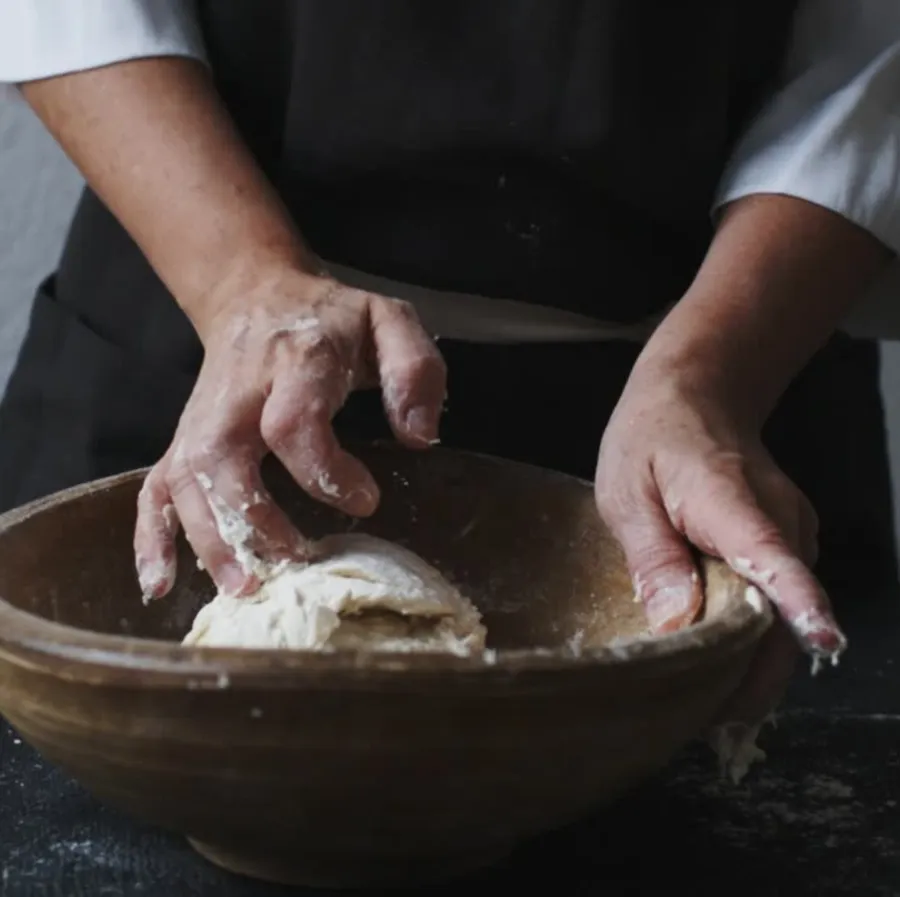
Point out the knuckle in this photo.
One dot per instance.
(767, 537)
(179, 476)
(655, 561)
(316, 410)
(709, 481)
(151, 491)
(198, 455)
(279, 425)
(615, 500)
(610, 500)
(726, 466)
(318, 342)
(421, 369)
(204, 452)
(284, 421)
(434, 364)
(334, 292)
(320, 349)
(399, 309)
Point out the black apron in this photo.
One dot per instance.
(559, 153)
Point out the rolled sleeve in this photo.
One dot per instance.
(831, 135)
(44, 38)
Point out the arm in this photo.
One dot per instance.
(808, 211)
(44, 38)
(284, 343)
(780, 276)
(124, 87)
(153, 140)
(808, 218)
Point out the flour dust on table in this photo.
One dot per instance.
(358, 593)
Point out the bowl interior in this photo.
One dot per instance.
(525, 544)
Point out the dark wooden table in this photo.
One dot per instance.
(821, 817)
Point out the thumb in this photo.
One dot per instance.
(662, 568)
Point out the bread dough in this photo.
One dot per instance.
(736, 748)
(360, 593)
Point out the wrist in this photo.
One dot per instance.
(779, 276)
(705, 378)
(252, 281)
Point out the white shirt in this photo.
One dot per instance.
(831, 135)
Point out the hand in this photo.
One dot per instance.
(676, 469)
(279, 364)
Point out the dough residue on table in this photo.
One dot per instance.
(359, 593)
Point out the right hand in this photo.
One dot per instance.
(278, 366)
(677, 468)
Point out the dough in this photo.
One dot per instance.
(735, 746)
(360, 593)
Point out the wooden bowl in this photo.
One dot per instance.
(362, 770)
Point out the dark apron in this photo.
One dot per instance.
(559, 153)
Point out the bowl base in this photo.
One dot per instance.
(341, 871)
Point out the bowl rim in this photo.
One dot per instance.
(70, 652)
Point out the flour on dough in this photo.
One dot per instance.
(360, 593)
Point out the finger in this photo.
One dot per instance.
(737, 530)
(296, 426)
(154, 537)
(218, 537)
(240, 501)
(794, 514)
(661, 564)
(412, 371)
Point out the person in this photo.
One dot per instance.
(627, 225)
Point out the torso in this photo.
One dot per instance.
(560, 155)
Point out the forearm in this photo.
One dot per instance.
(779, 277)
(157, 145)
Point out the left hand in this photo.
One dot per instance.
(677, 469)
(279, 362)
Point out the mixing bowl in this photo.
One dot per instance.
(363, 770)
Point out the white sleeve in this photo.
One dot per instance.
(831, 136)
(43, 38)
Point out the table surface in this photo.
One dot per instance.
(820, 817)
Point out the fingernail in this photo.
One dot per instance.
(155, 578)
(821, 638)
(422, 423)
(819, 634)
(360, 502)
(668, 608)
